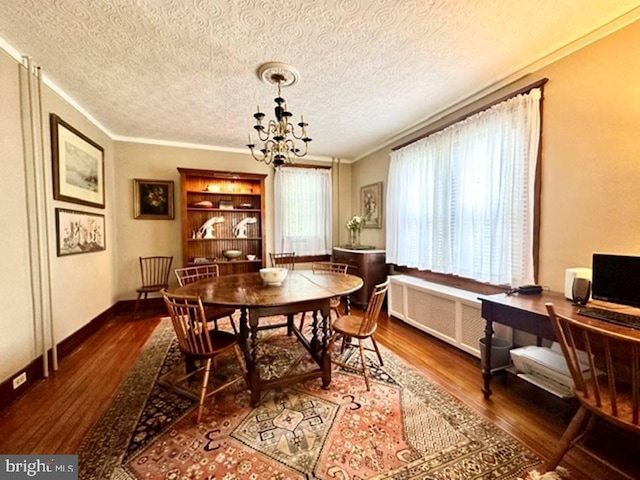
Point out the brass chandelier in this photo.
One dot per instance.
(279, 135)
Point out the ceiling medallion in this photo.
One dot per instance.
(279, 135)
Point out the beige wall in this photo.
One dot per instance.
(17, 329)
(137, 238)
(591, 156)
(74, 279)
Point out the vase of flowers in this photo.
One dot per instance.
(355, 225)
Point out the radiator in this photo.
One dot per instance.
(448, 313)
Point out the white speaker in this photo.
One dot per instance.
(570, 274)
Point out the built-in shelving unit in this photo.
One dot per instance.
(232, 197)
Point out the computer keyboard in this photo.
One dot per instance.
(624, 319)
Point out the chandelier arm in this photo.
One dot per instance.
(306, 150)
(279, 136)
(302, 134)
(265, 158)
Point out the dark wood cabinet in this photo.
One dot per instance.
(370, 265)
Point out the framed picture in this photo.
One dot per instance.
(79, 232)
(371, 205)
(153, 199)
(78, 165)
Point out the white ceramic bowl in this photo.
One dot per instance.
(251, 257)
(273, 276)
(232, 253)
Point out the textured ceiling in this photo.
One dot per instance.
(185, 70)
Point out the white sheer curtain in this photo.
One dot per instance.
(461, 201)
(303, 210)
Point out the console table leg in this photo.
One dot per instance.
(486, 367)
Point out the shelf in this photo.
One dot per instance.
(222, 238)
(206, 192)
(196, 209)
(226, 262)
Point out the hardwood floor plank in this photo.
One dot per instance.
(55, 415)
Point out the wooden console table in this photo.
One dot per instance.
(521, 312)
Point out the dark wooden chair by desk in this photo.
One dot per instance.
(154, 272)
(604, 360)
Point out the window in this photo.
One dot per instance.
(303, 211)
(461, 201)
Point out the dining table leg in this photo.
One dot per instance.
(249, 345)
(325, 353)
(314, 331)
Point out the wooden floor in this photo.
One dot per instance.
(55, 415)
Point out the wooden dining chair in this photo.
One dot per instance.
(604, 361)
(284, 259)
(189, 275)
(196, 341)
(154, 272)
(328, 267)
(361, 328)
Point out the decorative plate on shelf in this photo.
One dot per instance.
(204, 259)
(203, 204)
(245, 205)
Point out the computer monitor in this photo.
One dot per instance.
(616, 279)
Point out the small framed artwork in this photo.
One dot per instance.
(225, 204)
(79, 232)
(78, 165)
(153, 199)
(371, 205)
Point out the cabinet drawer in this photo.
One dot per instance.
(345, 257)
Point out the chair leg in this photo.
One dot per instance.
(203, 388)
(289, 325)
(302, 321)
(233, 325)
(135, 309)
(332, 341)
(567, 437)
(365, 373)
(375, 345)
(241, 363)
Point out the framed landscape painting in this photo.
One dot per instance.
(79, 232)
(153, 199)
(371, 205)
(78, 165)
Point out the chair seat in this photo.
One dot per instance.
(623, 402)
(151, 288)
(220, 341)
(350, 325)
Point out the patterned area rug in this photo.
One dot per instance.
(404, 428)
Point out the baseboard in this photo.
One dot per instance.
(34, 369)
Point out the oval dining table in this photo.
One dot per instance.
(301, 291)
